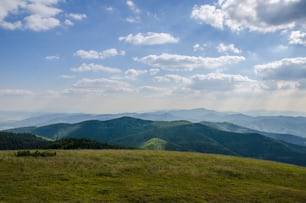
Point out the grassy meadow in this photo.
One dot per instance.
(147, 176)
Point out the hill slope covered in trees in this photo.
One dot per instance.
(178, 136)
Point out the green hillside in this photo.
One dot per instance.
(154, 144)
(147, 176)
(178, 136)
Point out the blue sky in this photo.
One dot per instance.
(130, 55)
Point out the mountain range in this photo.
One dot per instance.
(293, 125)
(176, 136)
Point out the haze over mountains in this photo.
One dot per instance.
(278, 138)
(294, 125)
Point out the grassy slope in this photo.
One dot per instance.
(147, 176)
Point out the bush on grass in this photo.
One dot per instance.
(35, 153)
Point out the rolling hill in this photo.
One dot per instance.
(147, 176)
(177, 136)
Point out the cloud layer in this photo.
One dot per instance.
(175, 62)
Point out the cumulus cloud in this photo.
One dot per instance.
(173, 62)
(208, 14)
(95, 68)
(150, 38)
(253, 15)
(39, 23)
(284, 69)
(35, 15)
(92, 54)
(133, 74)
(297, 37)
(222, 48)
(43, 9)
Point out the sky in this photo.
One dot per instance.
(110, 56)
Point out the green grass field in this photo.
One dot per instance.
(147, 176)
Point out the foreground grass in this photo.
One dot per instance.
(147, 176)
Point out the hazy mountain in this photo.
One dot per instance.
(179, 136)
(225, 126)
(272, 124)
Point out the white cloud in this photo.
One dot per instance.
(132, 74)
(109, 9)
(218, 82)
(173, 62)
(16, 92)
(222, 48)
(68, 22)
(38, 23)
(11, 26)
(297, 37)
(103, 85)
(95, 68)
(43, 9)
(67, 76)
(153, 91)
(92, 54)
(133, 19)
(151, 88)
(272, 85)
(77, 16)
(172, 78)
(153, 71)
(197, 47)
(52, 58)
(132, 6)
(253, 15)
(150, 38)
(208, 14)
(35, 15)
(284, 69)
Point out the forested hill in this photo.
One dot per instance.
(178, 136)
(11, 141)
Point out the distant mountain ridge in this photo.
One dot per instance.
(177, 136)
(271, 124)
